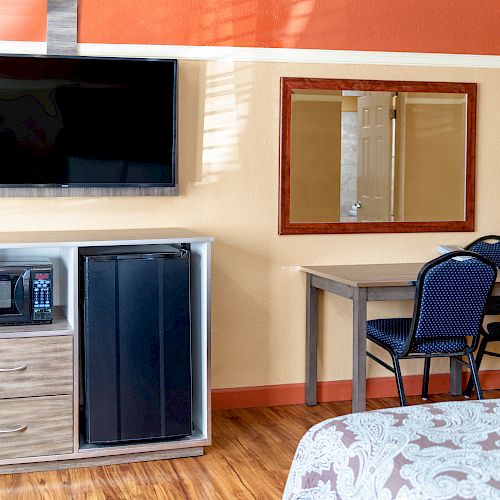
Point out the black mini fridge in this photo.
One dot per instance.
(136, 343)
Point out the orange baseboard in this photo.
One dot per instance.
(339, 390)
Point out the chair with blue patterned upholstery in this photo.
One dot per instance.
(451, 296)
(489, 247)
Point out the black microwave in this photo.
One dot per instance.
(26, 293)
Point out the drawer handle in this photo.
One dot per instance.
(19, 428)
(16, 369)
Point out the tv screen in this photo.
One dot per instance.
(79, 121)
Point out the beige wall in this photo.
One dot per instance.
(229, 144)
(432, 158)
(316, 130)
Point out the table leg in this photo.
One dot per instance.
(455, 377)
(359, 349)
(311, 343)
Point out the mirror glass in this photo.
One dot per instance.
(376, 156)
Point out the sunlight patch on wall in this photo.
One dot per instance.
(23, 20)
(227, 96)
(300, 14)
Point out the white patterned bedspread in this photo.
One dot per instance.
(432, 451)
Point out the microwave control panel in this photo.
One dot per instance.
(41, 287)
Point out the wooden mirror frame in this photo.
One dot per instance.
(286, 226)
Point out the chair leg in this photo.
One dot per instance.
(475, 376)
(399, 382)
(425, 380)
(479, 358)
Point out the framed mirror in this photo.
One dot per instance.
(361, 156)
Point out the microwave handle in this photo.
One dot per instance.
(21, 292)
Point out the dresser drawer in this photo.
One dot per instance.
(36, 366)
(31, 427)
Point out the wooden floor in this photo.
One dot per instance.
(250, 458)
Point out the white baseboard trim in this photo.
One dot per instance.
(9, 47)
(290, 55)
(206, 53)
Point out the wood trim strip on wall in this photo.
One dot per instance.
(339, 390)
(62, 27)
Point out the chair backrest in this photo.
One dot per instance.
(489, 247)
(452, 292)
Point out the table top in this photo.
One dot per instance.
(370, 275)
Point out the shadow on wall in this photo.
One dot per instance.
(259, 23)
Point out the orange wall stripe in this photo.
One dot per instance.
(23, 20)
(287, 394)
(447, 26)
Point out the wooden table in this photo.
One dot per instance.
(360, 283)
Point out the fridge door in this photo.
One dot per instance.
(137, 347)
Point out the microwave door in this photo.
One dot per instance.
(14, 295)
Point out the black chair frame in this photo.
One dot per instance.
(410, 342)
(483, 238)
(485, 336)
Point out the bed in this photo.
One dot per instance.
(431, 451)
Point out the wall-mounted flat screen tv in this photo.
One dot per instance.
(82, 121)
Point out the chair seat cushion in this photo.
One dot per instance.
(394, 332)
(493, 305)
(494, 328)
